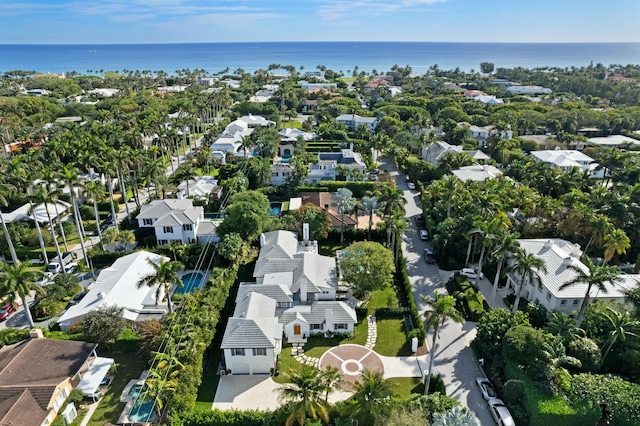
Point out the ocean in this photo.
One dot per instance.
(338, 56)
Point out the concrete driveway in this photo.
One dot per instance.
(455, 359)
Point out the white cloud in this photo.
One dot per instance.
(339, 9)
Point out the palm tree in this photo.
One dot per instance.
(622, 324)
(369, 205)
(456, 416)
(305, 390)
(70, 177)
(393, 202)
(506, 244)
(122, 160)
(18, 280)
(41, 195)
(344, 200)
(595, 276)
(528, 267)
(6, 189)
(616, 242)
(332, 379)
(43, 247)
(95, 191)
(53, 194)
(599, 226)
(371, 400)
(165, 273)
(441, 308)
(565, 327)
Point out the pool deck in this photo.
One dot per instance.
(131, 400)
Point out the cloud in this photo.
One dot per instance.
(338, 9)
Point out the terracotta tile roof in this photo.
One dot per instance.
(324, 201)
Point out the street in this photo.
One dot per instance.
(454, 359)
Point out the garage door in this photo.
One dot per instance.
(240, 368)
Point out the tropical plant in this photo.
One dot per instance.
(164, 275)
(305, 391)
(18, 280)
(615, 242)
(371, 401)
(528, 267)
(456, 416)
(439, 309)
(623, 325)
(343, 199)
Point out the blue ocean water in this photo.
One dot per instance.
(338, 56)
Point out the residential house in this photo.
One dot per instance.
(558, 255)
(231, 139)
(434, 151)
(280, 173)
(617, 141)
(352, 121)
(293, 298)
(476, 172)
(313, 86)
(566, 159)
(200, 188)
(116, 286)
(517, 89)
(482, 133)
(324, 200)
(328, 162)
(37, 375)
(172, 220)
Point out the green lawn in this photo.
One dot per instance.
(392, 340)
(292, 124)
(385, 298)
(130, 366)
(210, 379)
(405, 386)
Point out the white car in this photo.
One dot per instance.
(71, 268)
(471, 273)
(486, 388)
(424, 235)
(411, 185)
(500, 413)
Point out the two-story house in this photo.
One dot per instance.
(566, 159)
(172, 220)
(352, 121)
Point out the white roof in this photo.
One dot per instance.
(557, 255)
(255, 120)
(295, 203)
(93, 376)
(116, 286)
(292, 134)
(477, 172)
(200, 186)
(40, 212)
(356, 118)
(563, 157)
(614, 140)
(159, 208)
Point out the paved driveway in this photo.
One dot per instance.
(455, 359)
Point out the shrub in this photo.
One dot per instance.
(405, 294)
(622, 398)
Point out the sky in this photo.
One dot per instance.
(190, 21)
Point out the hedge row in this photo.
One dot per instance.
(469, 300)
(622, 398)
(403, 285)
(550, 410)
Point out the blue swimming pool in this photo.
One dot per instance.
(276, 209)
(141, 412)
(190, 282)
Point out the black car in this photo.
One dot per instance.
(104, 225)
(108, 220)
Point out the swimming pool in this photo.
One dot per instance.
(141, 412)
(190, 282)
(276, 209)
(135, 390)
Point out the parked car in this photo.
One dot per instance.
(411, 185)
(486, 388)
(471, 273)
(46, 278)
(109, 219)
(57, 264)
(500, 413)
(429, 256)
(424, 235)
(5, 311)
(71, 268)
(420, 221)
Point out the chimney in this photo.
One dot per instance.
(303, 289)
(36, 333)
(328, 319)
(262, 240)
(101, 295)
(305, 233)
(575, 251)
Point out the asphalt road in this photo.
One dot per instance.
(455, 359)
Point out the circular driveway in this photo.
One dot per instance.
(351, 360)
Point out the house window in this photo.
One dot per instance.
(576, 301)
(237, 352)
(316, 326)
(260, 352)
(60, 400)
(167, 229)
(187, 227)
(548, 296)
(162, 242)
(339, 326)
(563, 302)
(147, 222)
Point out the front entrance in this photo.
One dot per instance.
(296, 329)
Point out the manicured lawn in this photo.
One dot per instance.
(385, 298)
(391, 339)
(130, 366)
(210, 379)
(292, 124)
(405, 386)
(329, 247)
(286, 363)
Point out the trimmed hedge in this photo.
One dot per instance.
(405, 293)
(621, 397)
(550, 410)
(469, 300)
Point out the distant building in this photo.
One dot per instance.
(313, 86)
(477, 172)
(528, 90)
(567, 159)
(617, 141)
(352, 121)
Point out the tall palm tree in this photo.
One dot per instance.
(528, 267)
(332, 379)
(70, 176)
(165, 273)
(343, 199)
(369, 205)
(616, 242)
(18, 280)
(40, 195)
(107, 166)
(122, 161)
(5, 189)
(595, 276)
(43, 247)
(95, 191)
(623, 325)
(371, 400)
(440, 309)
(393, 206)
(50, 179)
(599, 225)
(305, 391)
(506, 244)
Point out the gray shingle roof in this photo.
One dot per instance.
(180, 217)
(254, 333)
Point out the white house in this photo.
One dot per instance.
(116, 286)
(482, 133)
(172, 220)
(435, 150)
(618, 141)
(558, 255)
(230, 140)
(313, 86)
(200, 188)
(280, 172)
(328, 162)
(517, 89)
(294, 297)
(566, 159)
(477, 172)
(352, 121)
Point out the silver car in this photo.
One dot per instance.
(500, 413)
(486, 388)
